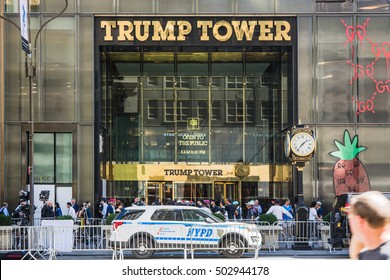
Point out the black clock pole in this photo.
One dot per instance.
(300, 195)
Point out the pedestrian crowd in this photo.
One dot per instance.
(228, 209)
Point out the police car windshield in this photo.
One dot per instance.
(198, 215)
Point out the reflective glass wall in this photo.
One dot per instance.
(203, 105)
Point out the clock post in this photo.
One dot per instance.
(300, 146)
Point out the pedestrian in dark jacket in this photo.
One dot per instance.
(47, 211)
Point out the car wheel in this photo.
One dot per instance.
(234, 247)
(141, 249)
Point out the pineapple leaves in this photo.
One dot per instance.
(349, 149)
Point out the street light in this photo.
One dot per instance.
(31, 74)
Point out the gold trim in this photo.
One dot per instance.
(194, 173)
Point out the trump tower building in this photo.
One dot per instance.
(194, 99)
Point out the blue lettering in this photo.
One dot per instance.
(199, 232)
(190, 232)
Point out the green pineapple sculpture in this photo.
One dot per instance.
(349, 174)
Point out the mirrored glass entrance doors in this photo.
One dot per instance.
(225, 190)
(159, 192)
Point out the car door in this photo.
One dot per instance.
(201, 229)
(167, 228)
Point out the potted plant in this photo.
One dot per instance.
(269, 230)
(270, 218)
(65, 217)
(110, 218)
(107, 227)
(219, 216)
(5, 232)
(5, 221)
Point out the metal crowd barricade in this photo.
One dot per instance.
(32, 241)
(48, 241)
(310, 232)
(143, 245)
(90, 237)
(231, 240)
(268, 233)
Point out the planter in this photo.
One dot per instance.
(62, 234)
(325, 235)
(270, 236)
(6, 238)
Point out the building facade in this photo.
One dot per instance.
(192, 99)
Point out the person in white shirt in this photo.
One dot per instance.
(278, 211)
(70, 210)
(313, 212)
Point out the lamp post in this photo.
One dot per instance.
(25, 31)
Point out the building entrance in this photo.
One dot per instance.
(225, 190)
(157, 192)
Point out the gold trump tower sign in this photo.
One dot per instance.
(195, 30)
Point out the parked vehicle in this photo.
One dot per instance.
(146, 229)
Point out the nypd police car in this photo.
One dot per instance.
(146, 229)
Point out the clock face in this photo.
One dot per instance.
(287, 145)
(302, 144)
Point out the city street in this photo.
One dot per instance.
(281, 254)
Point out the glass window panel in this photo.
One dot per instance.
(44, 157)
(287, 6)
(374, 6)
(185, 191)
(158, 64)
(215, 6)
(376, 158)
(12, 6)
(159, 144)
(192, 64)
(334, 101)
(125, 190)
(306, 97)
(16, 86)
(93, 6)
(58, 79)
(204, 191)
(255, 6)
(55, 6)
(183, 6)
(226, 144)
(373, 98)
(137, 6)
(64, 155)
(332, 29)
(329, 6)
(193, 146)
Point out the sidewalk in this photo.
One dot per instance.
(281, 252)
